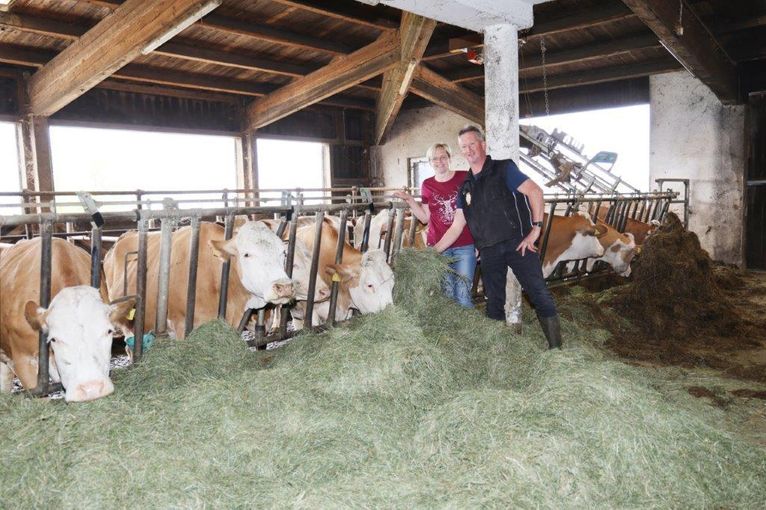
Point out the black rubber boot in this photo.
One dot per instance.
(552, 329)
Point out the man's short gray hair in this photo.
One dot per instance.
(470, 128)
(434, 147)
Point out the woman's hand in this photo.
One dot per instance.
(404, 196)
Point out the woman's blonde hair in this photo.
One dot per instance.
(432, 149)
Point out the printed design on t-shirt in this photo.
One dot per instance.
(445, 205)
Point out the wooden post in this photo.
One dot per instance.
(247, 164)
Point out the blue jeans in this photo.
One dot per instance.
(457, 285)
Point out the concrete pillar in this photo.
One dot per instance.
(501, 92)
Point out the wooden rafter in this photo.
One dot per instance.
(605, 74)
(695, 46)
(341, 74)
(564, 57)
(440, 91)
(414, 33)
(136, 27)
(358, 14)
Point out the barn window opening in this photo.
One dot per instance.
(10, 176)
(623, 130)
(93, 159)
(290, 164)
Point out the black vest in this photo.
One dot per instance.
(493, 212)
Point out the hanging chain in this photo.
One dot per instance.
(545, 78)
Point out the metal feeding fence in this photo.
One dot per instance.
(45, 219)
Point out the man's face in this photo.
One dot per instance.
(473, 148)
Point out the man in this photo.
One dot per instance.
(504, 211)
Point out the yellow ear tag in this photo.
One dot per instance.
(131, 314)
(336, 277)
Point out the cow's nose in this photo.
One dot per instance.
(91, 390)
(284, 290)
(322, 294)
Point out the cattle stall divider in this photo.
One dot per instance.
(622, 207)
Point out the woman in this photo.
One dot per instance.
(438, 195)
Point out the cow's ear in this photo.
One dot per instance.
(121, 313)
(224, 250)
(341, 271)
(35, 315)
(601, 230)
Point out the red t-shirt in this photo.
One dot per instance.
(440, 198)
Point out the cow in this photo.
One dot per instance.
(571, 238)
(78, 323)
(259, 277)
(365, 280)
(619, 250)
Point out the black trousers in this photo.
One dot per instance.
(495, 260)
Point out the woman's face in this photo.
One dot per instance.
(440, 161)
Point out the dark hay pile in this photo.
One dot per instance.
(675, 292)
(424, 405)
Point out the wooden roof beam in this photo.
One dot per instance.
(414, 35)
(341, 74)
(564, 57)
(601, 75)
(440, 91)
(358, 14)
(136, 27)
(695, 47)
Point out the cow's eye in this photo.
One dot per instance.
(51, 340)
(370, 286)
(246, 255)
(110, 331)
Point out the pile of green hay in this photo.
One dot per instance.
(422, 405)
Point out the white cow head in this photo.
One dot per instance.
(261, 256)
(80, 328)
(370, 285)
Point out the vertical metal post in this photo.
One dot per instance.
(227, 233)
(291, 238)
(366, 235)
(338, 260)
(46, 255)
(191, 289)
(389, 233)
(314, 269)
(594, 216)
(138, 327)
(547, 232)
(413, 230)
(399, 231)
(260, 327)
(95, 256)
(163, 281)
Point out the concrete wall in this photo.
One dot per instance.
(694, 136)
(413, 132)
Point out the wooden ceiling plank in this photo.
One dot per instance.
(696, 49)
(605, 74)
(132, 29)
(274, 35)
(358, 14)
(42, 26)
(341, 74)
(578, 19)
(414, 35)
(563, 57)
(442, 92)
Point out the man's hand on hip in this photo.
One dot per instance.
(528, 243)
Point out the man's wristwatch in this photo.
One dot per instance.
(537, 224)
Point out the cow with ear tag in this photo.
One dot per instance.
(260, 255)
(78, 322)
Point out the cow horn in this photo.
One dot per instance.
(601, 230)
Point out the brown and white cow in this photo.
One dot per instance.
(571, 238)
(619, 250)
(366, 281)
(78, 322)
(258, 275)
(639, 229)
